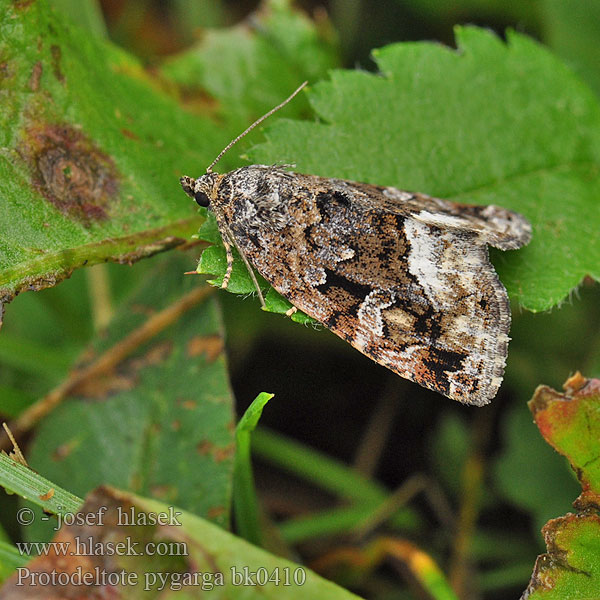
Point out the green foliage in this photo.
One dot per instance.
(571, 29)
(85, 13)
(16, 478)
(163, 421)
(570, 423)
(10, 560)
(528, 472)
(244, 499)
(89, 153)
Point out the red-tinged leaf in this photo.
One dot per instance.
(570, 423)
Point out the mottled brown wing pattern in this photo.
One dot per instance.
(405, 278)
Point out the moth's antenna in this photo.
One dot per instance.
(257, 122)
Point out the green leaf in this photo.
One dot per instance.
(19, 479)
(570, 423)
(16, 478)
(276, 303)
(571, 568)
(571, 29)
(490, 123)
(86, 13)
(90, 153)
(91, 146)
(10, 560)
(244, 496)
(449, 450)
(456, 11)
(162, 423)
(259, 64)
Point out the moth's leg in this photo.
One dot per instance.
(291, 311)
(228, 242)
(253, 277)
(229, 255)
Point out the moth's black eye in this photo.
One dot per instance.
(201, 198)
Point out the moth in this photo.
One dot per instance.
(405, 278)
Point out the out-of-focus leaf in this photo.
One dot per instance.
(572, 30)
(86, 13)
(162, 422)
(529, 473)
(460, 11)
(549, 346)
(449, 449)
(253, 66)
(10, 559)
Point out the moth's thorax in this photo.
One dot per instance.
(255, 198)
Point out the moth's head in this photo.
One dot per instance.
(203, 189)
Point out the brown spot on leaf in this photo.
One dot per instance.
(155, 355)
(36, 75)
(188, 404)
(49, 494)
(164, 492)
(224, 453)
(64, 450)
(129, 134)
(125, 376)
(70, 171)
(219, 453)
(195, 99)
(141, 309)
(211, 345)
(22, 4)
(5, 71)
(101, 388)
(215, 512)
(204, 447)
(56, 53)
